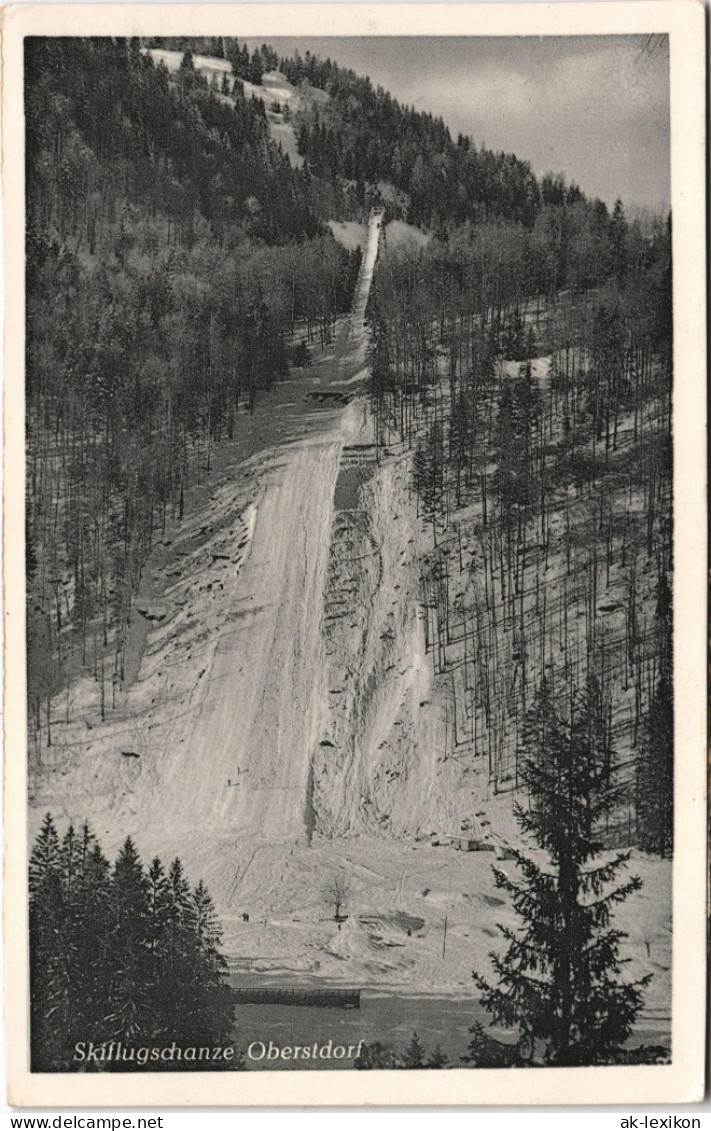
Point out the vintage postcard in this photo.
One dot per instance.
(354, 553)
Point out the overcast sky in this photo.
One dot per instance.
(593, 108)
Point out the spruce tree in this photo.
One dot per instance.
(47, 985)
(69, 961)
(618, 240)
(180, 963)
(211, 1007)
(129, 1005)
(377, 1055)
(45, 864)
(559, 980)
(92, 924)
(414, 1053)
(158, 944)
(655, 772)
(655, 775)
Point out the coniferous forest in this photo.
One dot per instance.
(180, 265)
(120, 954)
(170, 249)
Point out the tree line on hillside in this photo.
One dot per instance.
(246, 65)
(120, 954)
(539, 426)
(172, 253)
(118, 131)
(363, 136)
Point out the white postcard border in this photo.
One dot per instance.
(683, 1080)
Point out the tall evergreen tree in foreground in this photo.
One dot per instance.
(559, 980)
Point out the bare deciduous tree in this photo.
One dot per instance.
(336, 892)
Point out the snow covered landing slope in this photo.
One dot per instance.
(244, 762)
(212, 745)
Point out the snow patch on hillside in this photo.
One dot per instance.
(274, 88)
(204, 64)
(399, 234)
(289, 727)
(348, 233)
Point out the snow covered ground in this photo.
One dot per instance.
(212, 743)
(287, 728)
(399, 234)
(349, 233)
(204, 64)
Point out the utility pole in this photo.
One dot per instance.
(444, 937)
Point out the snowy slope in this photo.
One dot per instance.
(289, 727)
(227, 707)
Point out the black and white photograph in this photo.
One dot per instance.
(348, 415)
